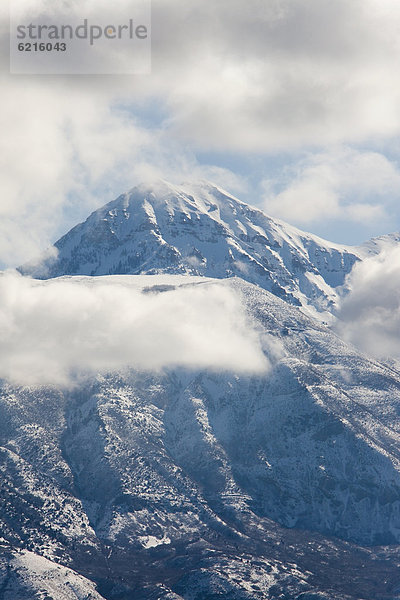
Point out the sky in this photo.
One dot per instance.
(292, 105)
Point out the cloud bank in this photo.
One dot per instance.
(262, 76)
(52, 331)
(370, 314)
(229, 76)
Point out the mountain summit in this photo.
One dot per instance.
(199, 229)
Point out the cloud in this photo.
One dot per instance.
(370, 314)
(360, 186)
(58, 153)
(267, 76)
(230, 76)
(65, 155)
(53, 330)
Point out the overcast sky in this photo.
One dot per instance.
(293, 105)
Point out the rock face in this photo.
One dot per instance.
(199, 485)
(202, 230)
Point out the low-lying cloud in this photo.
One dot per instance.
(52, 331)
(370, 314)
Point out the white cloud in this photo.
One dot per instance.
(276, 75)
(370, 314)
(56, 151)
(262, 76)
(51, 330)
(360, 186)
(67, 153)
(230, 75)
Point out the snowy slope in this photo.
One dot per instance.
(194, 485)
(379, 244)
(27, 576)
(188, 484)
(201, 230)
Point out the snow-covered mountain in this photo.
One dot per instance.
(199, 229)
(198, 485)
(190, 484)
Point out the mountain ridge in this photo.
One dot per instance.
(194, 484)
(199, 229)
(212, 485)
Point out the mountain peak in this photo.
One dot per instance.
(199, 195)
(199, 229)
(162, 187)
